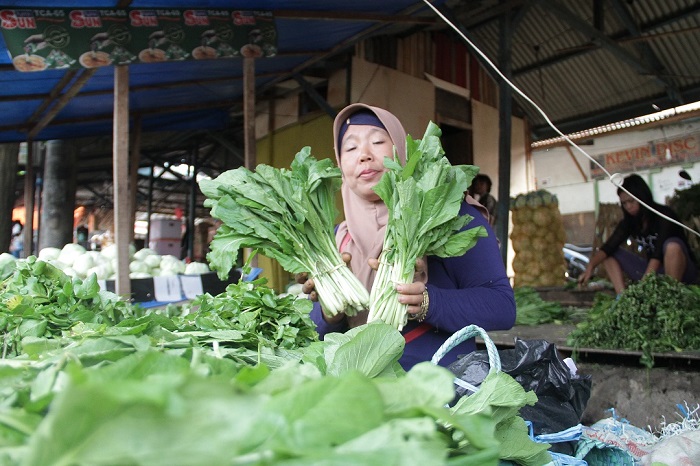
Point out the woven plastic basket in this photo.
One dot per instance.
(466, 333)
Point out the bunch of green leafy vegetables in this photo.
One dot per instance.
(288, 215)
(424, 198)
(340, 404)
(657, 314)
(531, 309)
(39, 300)
(258, 315)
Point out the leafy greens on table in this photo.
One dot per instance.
(657, 314)
(223, 382)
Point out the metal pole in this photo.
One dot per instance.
(193, 202)
(504, 133)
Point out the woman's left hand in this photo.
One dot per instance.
(411, 293)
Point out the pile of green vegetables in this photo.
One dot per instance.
(657, 314)
(196, 389)
(287, 215)
(531, 309)
(424, 198)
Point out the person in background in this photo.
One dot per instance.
(664, 242)
(481, 191)
(17, 239)
(471, 289)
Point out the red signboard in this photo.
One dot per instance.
(654, 154)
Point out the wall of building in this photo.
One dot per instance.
(567, 172)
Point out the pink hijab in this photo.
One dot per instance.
(365, 221)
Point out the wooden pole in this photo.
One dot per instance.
(29, 201)
(134, 161)
(505, 113)
(193, 202)
(249, 124)
(249, 111)
(120, 154)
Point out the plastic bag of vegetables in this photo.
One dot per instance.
(538, 239)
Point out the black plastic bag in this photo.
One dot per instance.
(537, 366)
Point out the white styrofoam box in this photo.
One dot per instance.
(165, 247)
(165, 228)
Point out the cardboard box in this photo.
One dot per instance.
(144, 290)
(166, 247)
(163, 228)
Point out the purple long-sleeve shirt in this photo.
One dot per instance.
(466, 290)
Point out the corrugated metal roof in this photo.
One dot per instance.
(646, 52)
(212, 85)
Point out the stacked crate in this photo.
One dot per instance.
(165, 236)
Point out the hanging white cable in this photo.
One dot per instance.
(615, 178)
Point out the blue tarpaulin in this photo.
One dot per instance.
(182, 95)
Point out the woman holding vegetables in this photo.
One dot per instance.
(447, 293)
(664, 243)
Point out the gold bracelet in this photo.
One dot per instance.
(424, 305)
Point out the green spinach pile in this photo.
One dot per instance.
(257, 315)
(657, 314)
(531, 309)
(39, 300)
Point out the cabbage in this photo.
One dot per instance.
(70, 252)
(139, 275)
(109, 251)
(7, 265)
(48, 254)
(172, 265)
(6, 258)
(60, 265)
(82, 264)
(196, 268)
(141, 254)
(152, 260)
(139, 267)
(102, 271)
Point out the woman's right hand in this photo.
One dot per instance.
(308, 287)
(585, 277)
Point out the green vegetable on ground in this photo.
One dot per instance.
(424, 198)
(531, 309)
(287, 215)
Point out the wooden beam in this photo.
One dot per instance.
(578, 165)
(152, 111)
(120, 149)
(146, 87)
(352, 16)
(341, 46)
(53, 95)
(62, 102)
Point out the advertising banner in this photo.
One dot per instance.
(683, 149)
(51, 38)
